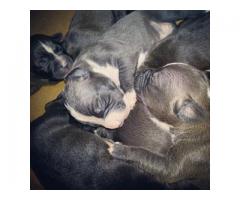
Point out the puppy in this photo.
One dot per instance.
(169, 129)
(48, 60)
(87, 27)
(189, 44)
(52, 56)
(67, 155)
(100, 88)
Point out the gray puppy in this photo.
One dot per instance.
(100, 88)
(169, 138)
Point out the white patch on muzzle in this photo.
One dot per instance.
(60, 59)
(114, 119)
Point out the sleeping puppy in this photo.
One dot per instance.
(87, 27)
(52, 56)
(48, 60)
(189, 44)
(168, 131)
(100, 88)
(67, 155)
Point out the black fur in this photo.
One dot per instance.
(67, 155)
(45, 68)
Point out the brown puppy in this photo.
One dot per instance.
(169, 138)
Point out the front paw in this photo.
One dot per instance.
(119, 151)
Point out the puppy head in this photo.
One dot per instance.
(48, 58)
(93, 98)
(177, 94)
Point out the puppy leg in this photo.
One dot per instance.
(173, 167)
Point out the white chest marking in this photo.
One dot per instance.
(60, 59)
(108, 70)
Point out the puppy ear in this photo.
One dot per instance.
(57, 37)
(142, 79)
(189, 111)
(78, 73)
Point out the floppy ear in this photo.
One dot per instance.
(142, 79)
(78, 73)
(189, 111)
(57, 37)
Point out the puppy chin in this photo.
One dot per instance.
(113, 125)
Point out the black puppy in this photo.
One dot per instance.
(169, 130)
(66, 155)
(48, 60)
(87, 27)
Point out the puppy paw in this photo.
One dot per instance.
(119, 151)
